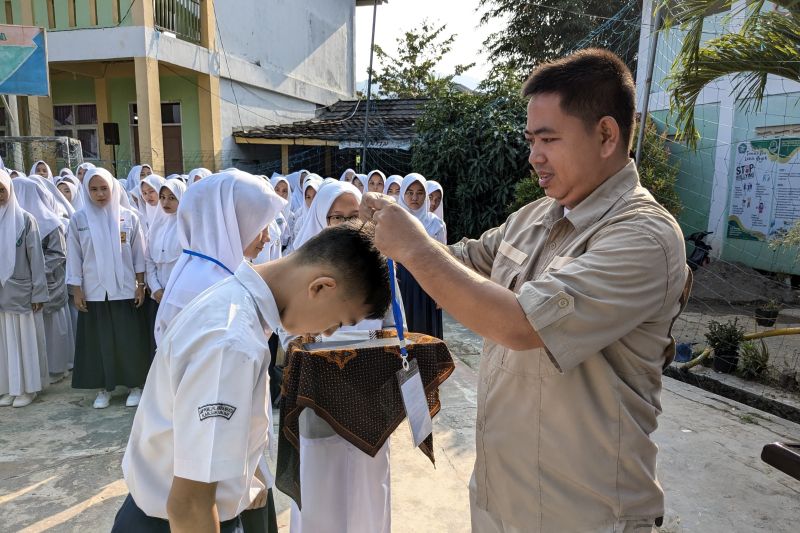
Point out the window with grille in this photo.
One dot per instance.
(80, 122)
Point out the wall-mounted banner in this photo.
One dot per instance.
(765, 197)
(23, 61)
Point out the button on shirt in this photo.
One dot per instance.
(83, 265)
(205, 410)
(563, 433)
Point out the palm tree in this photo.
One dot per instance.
(768, 43)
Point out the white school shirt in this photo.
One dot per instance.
(83, 267)
(157, 273)
(205, 409)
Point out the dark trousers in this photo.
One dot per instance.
(131, 519)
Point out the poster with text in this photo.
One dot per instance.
(765, 196)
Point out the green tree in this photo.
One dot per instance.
(768, 43)
(410, 73)
(474, 146)
(543, 30)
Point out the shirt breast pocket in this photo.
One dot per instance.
(508, 264)
(125, 235)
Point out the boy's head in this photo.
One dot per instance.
(345, 280)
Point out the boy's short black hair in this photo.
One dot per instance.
(349, 248)
(592, 83)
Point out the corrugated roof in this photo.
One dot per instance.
(389, 120)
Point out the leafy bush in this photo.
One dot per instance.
(752, 359)
(724, 337)
(473, 144)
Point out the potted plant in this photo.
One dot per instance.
(753, 359)
(725, 339)
(767, 313)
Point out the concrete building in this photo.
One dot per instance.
(178, 77)
(709, 188)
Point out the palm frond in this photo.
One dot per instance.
(771, 45)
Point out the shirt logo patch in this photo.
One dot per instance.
(222, 410)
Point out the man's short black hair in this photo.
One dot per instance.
(350, 250)
(592, 83)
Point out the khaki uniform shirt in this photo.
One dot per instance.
(563, 433)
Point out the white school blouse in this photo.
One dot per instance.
(205, 410)
(83, 263)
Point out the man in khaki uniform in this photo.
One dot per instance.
(582, 290)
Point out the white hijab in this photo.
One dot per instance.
(297, 191)
(12, 224)
(394, 178)
(274, 181)
(63, 171)
(78, 201)
(150, 214)
(431, 188)
(317, 217)
(315, 182)
(362, 179)
(86, 166)
(49, 172)
(218, 217)
(134, 177)
(432, 223)
(369, 176)
(64, 208)
(163, 242)
(201, 172)
(104, 228)
(345, 173)
(39, 202)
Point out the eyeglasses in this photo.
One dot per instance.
(339, 219)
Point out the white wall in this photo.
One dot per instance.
(309, 41)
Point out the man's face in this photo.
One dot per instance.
(565, 154)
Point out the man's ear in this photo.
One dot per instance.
(320, 285)
(609, 135)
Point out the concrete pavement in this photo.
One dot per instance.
(59, 462)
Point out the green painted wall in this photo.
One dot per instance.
(775, 111)
(122, 93)
(696, 167)
(77, 91)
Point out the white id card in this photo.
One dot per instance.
(415, 402)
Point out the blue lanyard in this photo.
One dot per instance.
(207, 258)
(398, 315)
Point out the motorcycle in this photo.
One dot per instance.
(700, 256)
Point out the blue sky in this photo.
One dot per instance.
(398, 16)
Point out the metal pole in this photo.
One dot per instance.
(648, 83)
(369, 89)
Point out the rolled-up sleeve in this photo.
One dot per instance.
(598, 297)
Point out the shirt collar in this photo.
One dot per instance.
(604, 197)
(261, 293)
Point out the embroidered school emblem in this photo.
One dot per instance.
(222, 410)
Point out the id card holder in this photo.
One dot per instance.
(415, 402)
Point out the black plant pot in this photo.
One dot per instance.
(725, 361)
(767, 317)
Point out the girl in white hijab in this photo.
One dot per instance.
(105, 269)
(422, 313)
(41, 171)
(326, 459)
(134, 178)
(296, 186)
(23, 292)
(414, 198)
(221, 220)
(149, 208)
(310, 188)
(348, 175)
(197, 174)
(164, 248)
(58, 331)
(82, 169)
(436, 200)
(375, 181)
(360, 182)
(392, 185)
(283, 189)
(70, 189)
